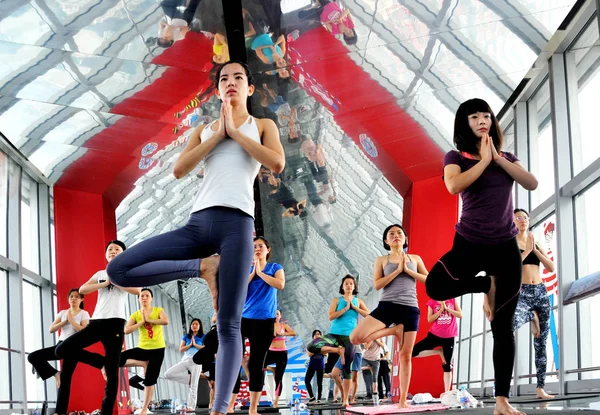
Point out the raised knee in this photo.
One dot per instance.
(355, 338)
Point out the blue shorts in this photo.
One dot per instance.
(356, 363)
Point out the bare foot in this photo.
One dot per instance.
(276, 402)
(341, 352)
(441, 352)
(209, 268)
(57, 377)
(489, 301)
(541, 394)
(402, 404)
(505, 408)
(535, 325)
(103, 370)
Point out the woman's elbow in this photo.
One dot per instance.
(278, 166)
(178, 172)
(532, 184)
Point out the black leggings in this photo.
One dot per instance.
(260, 336)
(455, 275)
(431, 342)
(39, 360)
(279, 358)
(154, 357)
(110, 332)
(383, 378)
(310, 372)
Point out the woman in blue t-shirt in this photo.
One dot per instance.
(186, 371)
(258, 318)
(485, 237)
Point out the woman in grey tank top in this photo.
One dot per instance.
(398, 311)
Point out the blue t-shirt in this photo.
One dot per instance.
(344, 324)
(261, 300)
(192, 350)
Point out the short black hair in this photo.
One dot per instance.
(147, 289)
(348, 276)
(517, 210)
(151, 41)
(242, 64)
(116, 242)
(316, 331)
(395, 225)
(267, 244)
(464, 139)
(351, 40)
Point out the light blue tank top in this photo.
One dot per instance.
(344, 324)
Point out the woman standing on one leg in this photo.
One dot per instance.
(186, 371)
(106, 326)
(343, 313)
(533, 305)
(258, 319)
(397, 274)
(443, 315)
(485, 237)
(315, 365)
(277, 353)
(69, 322)
(150, 352)
(233, 148)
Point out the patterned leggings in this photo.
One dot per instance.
(535, 298)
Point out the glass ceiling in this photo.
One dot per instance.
(101, 95)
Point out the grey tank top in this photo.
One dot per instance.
(403, 288)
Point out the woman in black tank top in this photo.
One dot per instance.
(533, 305)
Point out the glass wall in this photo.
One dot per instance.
(23, 286)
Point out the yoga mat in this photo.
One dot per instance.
(394, 409)
(533, 399)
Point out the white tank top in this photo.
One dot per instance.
(229, 172)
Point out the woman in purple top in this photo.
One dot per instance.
(485, 237)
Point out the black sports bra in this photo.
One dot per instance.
(530, 259)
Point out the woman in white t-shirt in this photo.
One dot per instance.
(69, 322)
(107, 326)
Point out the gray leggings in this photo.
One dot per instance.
(176, 255)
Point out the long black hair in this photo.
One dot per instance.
(190, 333)
(76, 290)
(464, 138)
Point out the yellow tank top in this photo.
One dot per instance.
(151, 335)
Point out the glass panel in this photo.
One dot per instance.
(32, 316)
(29, 224)
(584, 61)
(540, 144)
(3, 204)
(476, 360)
(476, 316)
(587, 222)
(465, 329)
(489, 363)
(463, 361)
(4, 377)
(4, 309)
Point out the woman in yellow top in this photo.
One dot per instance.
(150, 352)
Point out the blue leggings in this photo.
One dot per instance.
(175, 255)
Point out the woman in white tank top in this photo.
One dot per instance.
(222, 219)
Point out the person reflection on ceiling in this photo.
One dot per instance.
(175, 24)
(335, 18)
(314, 154)
(282, 194)
(269, 52)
